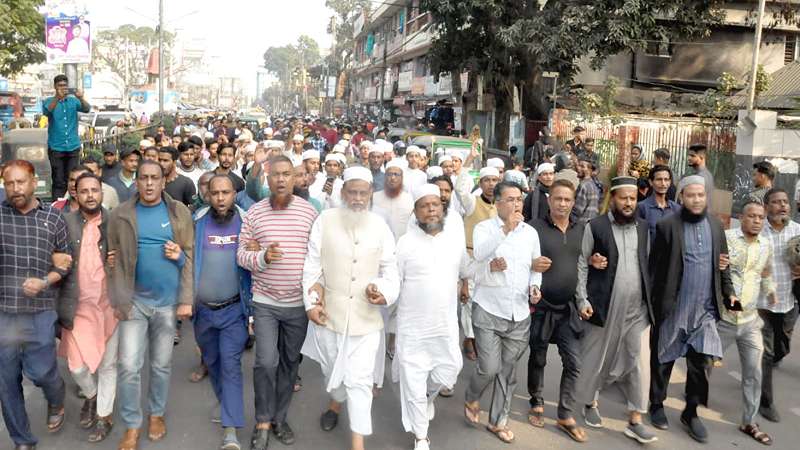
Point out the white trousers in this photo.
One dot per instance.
(466, 311)
(426, 366)
(103, 383)
(348, 364)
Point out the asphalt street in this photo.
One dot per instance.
(190, 406)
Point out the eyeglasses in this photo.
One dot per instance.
(513, 200)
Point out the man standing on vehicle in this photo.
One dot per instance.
(63, 142)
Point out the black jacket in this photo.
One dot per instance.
(68, 297)
(536, 206)
(666, 265)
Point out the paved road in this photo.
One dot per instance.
(190, 406)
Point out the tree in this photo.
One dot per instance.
(342, 29)
(511, 43)
(21, 35)
(288, 63)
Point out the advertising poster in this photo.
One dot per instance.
(68, 40)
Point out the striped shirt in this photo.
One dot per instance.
(277, 283)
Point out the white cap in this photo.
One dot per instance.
(273, 144)
(496, 163)
(338, 149)
(208, 135)
(515, 176)
(415, 149)
(387, 147)
(357, 173)
(310, 154)
(489, 172)
(545, 167)
(454, 153)
(298, 138)
(379, 142)
(250, 147)
(434, 171)
(338, 157)
(344, 143)
(395, 163)
(439, 151)
(445, 158)
(424, 190)
(145, 143)
(269, 130)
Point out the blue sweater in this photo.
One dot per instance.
(157, 278)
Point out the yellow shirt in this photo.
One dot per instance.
(751, 274)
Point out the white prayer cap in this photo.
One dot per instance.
(424, 190)
(434, 171)
(250, 147)
(395, 163)
(496, 163)
(378, 142)
(338, 149)
(439, 151)
(489, 172)
(415, 149)
(298, 138)
(454, 153)
(144, 143)
(344, 143)
(690, 180)
(269, 130)
(310, 154)
(515, 176)
(338, 157)
(545, 167)
(208, 135)
(445, 158)
(273, 144)
(357, 173)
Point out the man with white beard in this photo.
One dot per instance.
(350, 274)
(428, 354)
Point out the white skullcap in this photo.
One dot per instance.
(496, 163)
(208, 135)
(145, 143)
(395, 163)
(515, 176)
(387, 147)
(310, 154)
(415, 149)
(489, 172)
(545, 167)
(298, 138)
(424, 190)
(338, 157)
(439, 151)
(250, 147)
(379, 142)
(269, 130)
(454, 153)
(343, 143)
(690, 180)
(434, 171)
(338, 149)
(357, 173)
(445, 158)
(273, 144)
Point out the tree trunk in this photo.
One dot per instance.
(503, 107)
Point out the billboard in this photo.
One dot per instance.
(68, 40)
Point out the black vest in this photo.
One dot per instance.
(600, 283)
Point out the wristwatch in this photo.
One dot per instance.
(46, 283)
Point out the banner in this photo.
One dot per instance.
(68, 40)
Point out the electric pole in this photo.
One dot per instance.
(161, 58)
(751, 94)
(383, 76)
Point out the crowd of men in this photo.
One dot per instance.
(350, 252)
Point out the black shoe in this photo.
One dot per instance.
(329, 420)
(88, 415)
(284, 433)
(25, 447)
(769, 413)
(658, 418)
(695, 427)
(260, 439)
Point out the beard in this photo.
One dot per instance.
(352, 218)
(301, 192)
(432, 227)
(91, 211)
(691, 217)
(621, 218)
(222, 219)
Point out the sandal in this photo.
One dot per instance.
(536, 418)
(504, 434)
(469, 350)
(199, 373)
(298, 385)
(753, 431)
(472, 414)
(574, 431)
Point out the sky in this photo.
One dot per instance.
(237, 31)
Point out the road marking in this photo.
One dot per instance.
(736, 375)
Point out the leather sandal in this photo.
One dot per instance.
(536, 418)
(130, 440)
(575, 432)
(503, 433)
(755, 433)
(472, 414)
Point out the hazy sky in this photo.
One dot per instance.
(237, 31)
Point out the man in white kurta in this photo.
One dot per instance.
(393, 203)
(430, 259)
(349, 276)
(414, 175)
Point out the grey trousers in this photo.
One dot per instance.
(280, 333)
(750, 343)
(500, 345)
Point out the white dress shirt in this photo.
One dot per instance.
(506, 294)
(395, 211)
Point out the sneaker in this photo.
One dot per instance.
(591, 417)
(658, 418)
(424, 444)
(639, 433)
(230, 441)
(695, 428)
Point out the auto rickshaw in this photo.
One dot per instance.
(30, 144)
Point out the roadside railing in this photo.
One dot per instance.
(132, 137)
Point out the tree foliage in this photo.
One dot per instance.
(283, 61)
(21, 35)
(125, 51)
(346, 12)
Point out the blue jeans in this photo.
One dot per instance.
(27, 346)
(221, 335)
(153, 326)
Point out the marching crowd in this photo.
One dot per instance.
(345, 248)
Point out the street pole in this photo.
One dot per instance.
(161, 58)
(383, 77)
(751, 94)
(71, 71)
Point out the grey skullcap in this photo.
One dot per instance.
(691, 179)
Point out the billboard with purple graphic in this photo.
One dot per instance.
(68, 40)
